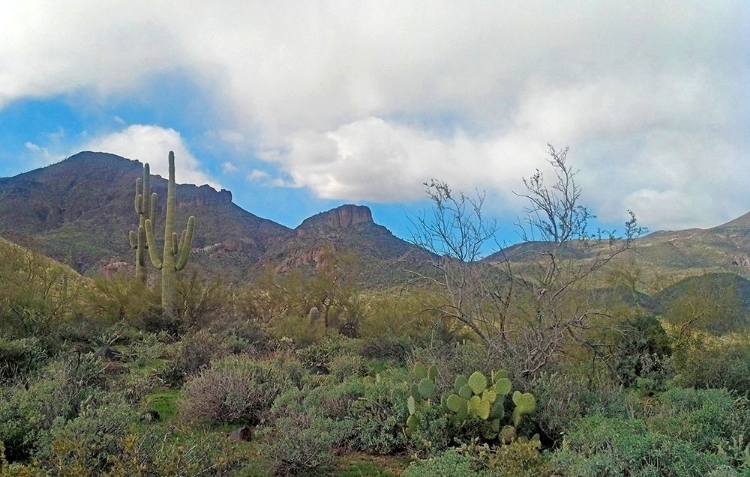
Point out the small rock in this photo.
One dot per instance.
(242, 434)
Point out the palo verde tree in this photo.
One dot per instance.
(176, 253)
(524, 304)
(145, 203)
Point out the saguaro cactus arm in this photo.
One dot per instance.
(185, 244)
(152, 253)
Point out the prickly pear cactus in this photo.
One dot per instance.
(422, 395)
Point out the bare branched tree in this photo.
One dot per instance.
(529, 306)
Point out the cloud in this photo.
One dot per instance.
(151, 144)
(257, 175)
(42, 156)
(369, 100)
(228, 168)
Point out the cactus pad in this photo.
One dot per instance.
(477, 382)
(525, 403)
(427, 388)
(460, 382)
(456, 403)
(502, 386)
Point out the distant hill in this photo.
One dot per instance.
(727, 294)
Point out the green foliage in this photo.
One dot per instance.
(450, 463)
(20, 357)
(175, 255)
(563, 397)
(301, 443)
(520, 458)
(112, 299)
(602, 446)
(83, 445)
(234, 390)
(64, 385)
(714, 364)
(641, 351)
(155, 452)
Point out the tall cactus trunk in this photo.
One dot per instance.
(175, 254)
(145, 203)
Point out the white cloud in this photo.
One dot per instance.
(228, 168)
(366, 100)
(257, 175)
(42, 156)
(151, 144)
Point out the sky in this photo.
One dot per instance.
(300, 106)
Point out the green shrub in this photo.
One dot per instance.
(85, 444)
(601, 446)
(563, 397)
(520, 458)
(20, 357)
(641, 351)
(393, 348)
(379, 415)
(195, 351)
(703, 417)
(63, 386)
(449, 463)
(323, 352)
(346, 366)
(235, 389)
(301, 443)
(718, 365)
(154, 452)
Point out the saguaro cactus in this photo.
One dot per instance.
(176, 253)
(145, 203)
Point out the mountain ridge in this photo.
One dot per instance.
(79, 211)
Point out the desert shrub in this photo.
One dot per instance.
(347, 366)
(520, 458)
(235, 389)
(392, 348)
(195, 351)
(324, 351)
(112, 299)
(17, 470)
(449, 463)
(63, 385)
(705, 418)
(20, 357)
(85, 444)
(379, 416)
(370, 414)
(302, 442)
(434, 432)
(715, 365)
(299, 329)
(601, 446)
(565, 396)
(641, 351)
(154, 452)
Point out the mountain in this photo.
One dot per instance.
(663, 257)
(79, 211)
(386, 258)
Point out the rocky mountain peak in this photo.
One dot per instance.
(341, 217)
